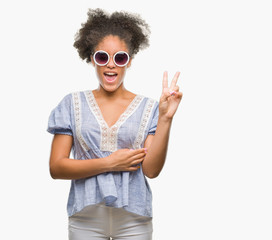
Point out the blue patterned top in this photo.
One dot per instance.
(78, 115)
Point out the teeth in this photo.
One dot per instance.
(111, 74)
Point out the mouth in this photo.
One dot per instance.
(110, 76)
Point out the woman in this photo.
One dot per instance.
(119, 136)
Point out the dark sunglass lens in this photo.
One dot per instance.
(121, 58)
(101, 58)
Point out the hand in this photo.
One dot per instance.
(126, 159)
(170, 97)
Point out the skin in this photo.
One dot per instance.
(113, 99)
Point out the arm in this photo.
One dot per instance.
(157, 144)
(63, 167)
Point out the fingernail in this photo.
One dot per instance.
(145, 150)
(172, 93)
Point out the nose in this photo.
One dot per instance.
(111, 63)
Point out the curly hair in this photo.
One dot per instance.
(129, 27)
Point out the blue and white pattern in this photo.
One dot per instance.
(78, 115)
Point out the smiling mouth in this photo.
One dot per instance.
(110, 77)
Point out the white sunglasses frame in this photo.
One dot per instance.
(112, 58)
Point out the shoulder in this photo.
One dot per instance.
(78, 95)
(147, 99)
(71, 98)
(150, 101)
(67, 98)
(148, 105)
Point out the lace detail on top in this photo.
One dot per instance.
(77, 113)
(144, 121)
(108, 140)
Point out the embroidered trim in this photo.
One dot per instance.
(144, 121)
(108, 141)
(77, 113)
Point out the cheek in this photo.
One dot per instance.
(98, 70)
(122, 74)
(99, 73)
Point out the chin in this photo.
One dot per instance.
(111, 87)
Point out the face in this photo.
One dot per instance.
(111, 76)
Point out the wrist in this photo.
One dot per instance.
(108, 163)
(165, 119)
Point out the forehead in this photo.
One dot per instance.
(112, 44)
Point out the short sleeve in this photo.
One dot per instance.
(60, 118)
(154, 120)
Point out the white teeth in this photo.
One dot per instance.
(111, 74)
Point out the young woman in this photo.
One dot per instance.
(118, 138)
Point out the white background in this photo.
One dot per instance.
(216, 183)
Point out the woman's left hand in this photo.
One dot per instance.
(170, 97)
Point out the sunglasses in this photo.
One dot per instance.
(101, 58)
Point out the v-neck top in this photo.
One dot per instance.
(79, 115)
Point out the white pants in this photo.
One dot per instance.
(99, 222)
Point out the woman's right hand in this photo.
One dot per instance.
(126, 159)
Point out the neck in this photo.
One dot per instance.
(118, 93)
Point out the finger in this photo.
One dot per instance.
(136, 162)
(165, 80)
(176, 88)
(130, 169)
(165, 95)
(137, 151)
(176, 94)
(173, 93)
(174, 81)
(137, 157)
(179, 95)
(133, 154)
